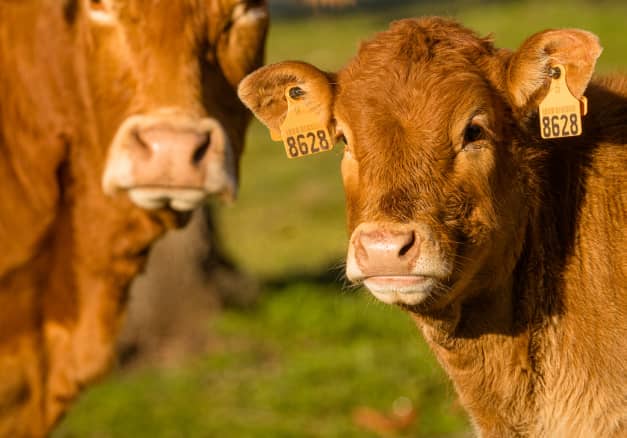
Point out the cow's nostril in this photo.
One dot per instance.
(140, 141)
(408, 245)
(201, 150)
(142, 146)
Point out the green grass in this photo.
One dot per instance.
(301, 362)
(296, 366)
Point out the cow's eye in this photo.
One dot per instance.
(347, 147)
(473, 133)
(97, 5)
(100, 11)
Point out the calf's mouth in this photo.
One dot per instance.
(400, 289)
(398, 263)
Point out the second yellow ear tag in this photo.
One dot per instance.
(305, 130)
(560, 111)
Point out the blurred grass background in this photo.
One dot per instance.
(311, 352)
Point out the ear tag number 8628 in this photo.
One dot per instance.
(304, 131)
(560, 111)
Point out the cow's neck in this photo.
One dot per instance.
(83, 308)
(489, 343)
(484, 346)
(498, 346)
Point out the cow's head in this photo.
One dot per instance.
(436, 123)
(164, 77)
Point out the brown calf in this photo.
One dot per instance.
(138, 97)
(508, 250)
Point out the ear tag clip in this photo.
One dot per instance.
(560, 111)
(275, 135)
(304, 130)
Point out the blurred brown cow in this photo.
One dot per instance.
(134, 96)
(159, 324)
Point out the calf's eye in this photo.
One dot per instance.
(473, 133)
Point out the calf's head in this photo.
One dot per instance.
(438, 125)
(164, 75)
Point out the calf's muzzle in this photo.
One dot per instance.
(398, 263)
(386, 251)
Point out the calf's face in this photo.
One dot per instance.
(421, 172)
(435, 121)
(164, 77)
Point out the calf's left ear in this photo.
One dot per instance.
(529, 68)
(263, 92)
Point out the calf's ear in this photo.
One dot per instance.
(528, 70)
(263, 91)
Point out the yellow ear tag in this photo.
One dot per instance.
(304, 131)
(275, 135)
(560, 111)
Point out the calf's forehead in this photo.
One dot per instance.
(415, 77)
(430, 107)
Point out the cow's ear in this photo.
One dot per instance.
(529, 68)
(263, 91)
(240, 49)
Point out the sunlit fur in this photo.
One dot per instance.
(531, 324)
(68, 252)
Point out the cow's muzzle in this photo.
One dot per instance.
(168, 159)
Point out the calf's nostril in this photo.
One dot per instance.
(410, 242)
(201, 150)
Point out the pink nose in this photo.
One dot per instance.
(191, 145)
(387, 251)
(170, 155)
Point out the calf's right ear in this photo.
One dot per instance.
(263, 92)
